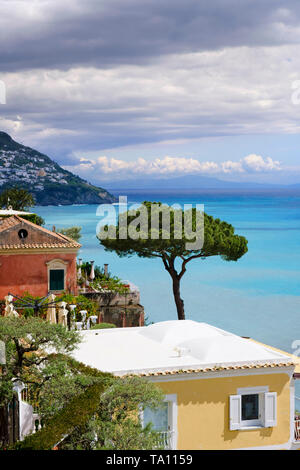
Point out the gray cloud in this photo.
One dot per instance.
(187, 96)
(106, 33)
(97, 75)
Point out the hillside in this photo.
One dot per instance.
(46, 180)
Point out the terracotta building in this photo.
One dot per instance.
(35, 260)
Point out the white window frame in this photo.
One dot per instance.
(260, 391)
(266, 399)
(173, 412)
(171, 399)
(57, 264)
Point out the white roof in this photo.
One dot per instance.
(4, 212)
(170, 346)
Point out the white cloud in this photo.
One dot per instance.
(232, 167)
(257, 164)
(108, 168)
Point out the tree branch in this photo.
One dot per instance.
(187, 260)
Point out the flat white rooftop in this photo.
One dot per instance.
(8, 212)
(172, 346)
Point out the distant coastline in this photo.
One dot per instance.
(47, 181)
(250, 191)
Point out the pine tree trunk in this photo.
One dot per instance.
(178, 300)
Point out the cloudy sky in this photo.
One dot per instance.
(120, 88)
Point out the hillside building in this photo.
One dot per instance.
(34, 259)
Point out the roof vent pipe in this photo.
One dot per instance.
(182, 351)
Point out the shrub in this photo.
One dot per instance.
(102, 326)
(83, 302)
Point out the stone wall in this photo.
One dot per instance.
(121, 317)
(120, 310)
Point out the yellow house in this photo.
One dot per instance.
(221, 391)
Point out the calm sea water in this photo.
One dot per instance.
(258, 296)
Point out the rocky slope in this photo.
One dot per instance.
(49, 183)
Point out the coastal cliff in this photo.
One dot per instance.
(48, 182)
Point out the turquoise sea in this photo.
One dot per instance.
(258, 296)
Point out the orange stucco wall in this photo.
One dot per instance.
(21, 273)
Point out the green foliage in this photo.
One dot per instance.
(19, 199)
(116, 424)
(67, 378)
(103, 416)
(110, 285)
(71, 232)
(27, 341)
(219, 236)
(102, 326)
(76, 191)
(83, 303)
(75, 414)
(102, 281)
(27, 311)
(128, 395)
(34, 218)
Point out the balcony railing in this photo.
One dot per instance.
(166, 439)
(29, 397)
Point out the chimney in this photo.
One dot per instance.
(53, 228)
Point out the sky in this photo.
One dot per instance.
(115, 89)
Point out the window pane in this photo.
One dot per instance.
(249, 407)
(158, 418)
(57, 279)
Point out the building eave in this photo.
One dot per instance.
(201, 370)
(40, 250)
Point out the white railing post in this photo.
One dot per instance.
(297, 429)
(166, 439)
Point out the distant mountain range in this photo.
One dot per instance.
(191, 182)
(49, 183)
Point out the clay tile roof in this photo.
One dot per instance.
(8, 222)
(208, 369)
(39, 237)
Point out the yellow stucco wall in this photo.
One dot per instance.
(203, 412)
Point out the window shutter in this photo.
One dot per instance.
(235, 408)
(270, 409)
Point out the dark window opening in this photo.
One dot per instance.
(250, 407)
